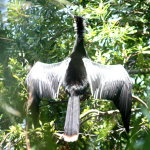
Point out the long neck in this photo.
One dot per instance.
(79, 44)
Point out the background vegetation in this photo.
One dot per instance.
(117, 32)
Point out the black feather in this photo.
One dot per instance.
(111, 82)
(79, 25)
(76, 74)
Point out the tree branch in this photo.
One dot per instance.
(2, 38)
(101, 113)
(60, 134)
(65, 101)
(136, 71)
(1, 144)
(27, 140)
(140, 100)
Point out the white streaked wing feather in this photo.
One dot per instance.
(111, 82)
(46, 79)
(100, 76)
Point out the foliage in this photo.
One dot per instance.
(117, 32)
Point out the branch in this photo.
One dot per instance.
(27, 140)
(60, 134)
(140, 100)
(6, 39)
(1, 144)
(89, 112)
(102, 113)
(119, 130)
(65, 101)
(136, 71)
(92, 110)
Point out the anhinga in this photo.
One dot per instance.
(76, 74)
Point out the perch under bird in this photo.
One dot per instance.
(76, 74)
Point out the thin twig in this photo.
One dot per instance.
(89, 112)
(136, 71)
(2, 38)
(140, 100)
(65, 101)
(1, 144)
(102, 113)
(119, 130)
(60, 134)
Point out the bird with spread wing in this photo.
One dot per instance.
(77, 73)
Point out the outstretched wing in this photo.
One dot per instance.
(45, 79)
(111, 82)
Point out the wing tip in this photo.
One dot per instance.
(71, 138)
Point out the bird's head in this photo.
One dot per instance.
(79, 23)
(78, 19)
